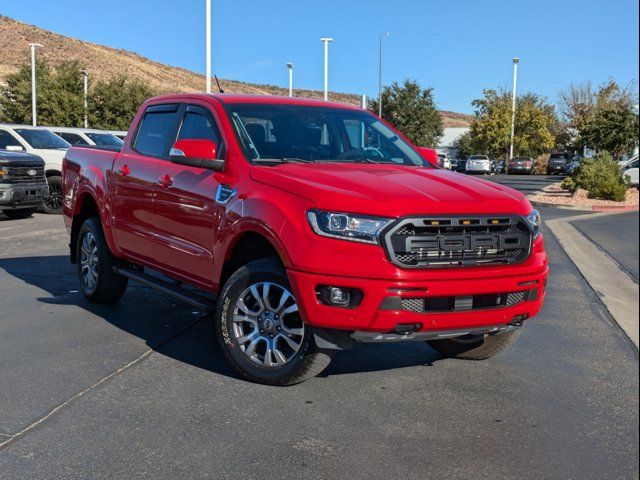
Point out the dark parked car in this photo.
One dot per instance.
(23, 186)
(497, 165)
(557, 163)
(461, 166)
(522, 165)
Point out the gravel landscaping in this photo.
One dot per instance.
(554, 194)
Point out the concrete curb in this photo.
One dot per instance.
(585, 208)
(616, 289)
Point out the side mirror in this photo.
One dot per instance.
(430, 155)
(14, 148)
(196, 153)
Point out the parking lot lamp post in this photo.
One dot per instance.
(85, 91)
(34, 119)
(382, 35)
(326, 42)
(208, 45)
(290, 67)
(513, 107)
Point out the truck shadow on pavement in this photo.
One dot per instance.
(174, 329)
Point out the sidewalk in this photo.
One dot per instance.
(604, 247)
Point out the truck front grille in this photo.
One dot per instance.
(22, 174)
(441, 242)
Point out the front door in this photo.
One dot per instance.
(186, 214)
(135, 175)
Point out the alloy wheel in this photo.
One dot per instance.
(267, 325)
(89, 261)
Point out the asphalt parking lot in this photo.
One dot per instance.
(140, 389)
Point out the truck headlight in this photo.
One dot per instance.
(534, 220)
(357, 228)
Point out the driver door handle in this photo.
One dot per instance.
(124, 170)
(165, 181)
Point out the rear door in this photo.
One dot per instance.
(135, 174)
(187, 215)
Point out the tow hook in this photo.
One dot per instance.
(406, 328)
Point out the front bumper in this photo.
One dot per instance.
(372, 315)
(22, 195)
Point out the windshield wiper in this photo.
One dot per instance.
(281, 160)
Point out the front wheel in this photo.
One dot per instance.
(475, 347)
(53, 203)
(259, 327)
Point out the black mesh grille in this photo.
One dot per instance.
(465, 303)
(430, 242)
(21, 174)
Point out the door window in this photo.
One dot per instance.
(6, 139)
(72, 138)
(198, 124)
(155, 130)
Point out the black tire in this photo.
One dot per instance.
(53, 203)
(306, 363)
(476, 347)
(108, 286)
(20, 213)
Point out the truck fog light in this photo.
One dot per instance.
(339, 296)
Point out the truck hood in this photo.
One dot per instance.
(392, 191)
(52, 158)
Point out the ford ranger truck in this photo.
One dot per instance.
(313, 225)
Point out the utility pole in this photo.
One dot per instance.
(208, 44)
(34, 114)
(290, 67)
(326, 42)
(85, 91)
(382, 35)
(513, 107)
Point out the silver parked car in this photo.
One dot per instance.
(478, 164)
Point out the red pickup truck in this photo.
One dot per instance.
(306, 226)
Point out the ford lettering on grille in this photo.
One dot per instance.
(457, 241)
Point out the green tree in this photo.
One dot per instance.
(464, 145)
(412, 110)
(59, 95)
(113, 103)
(601, 119)
(536, 125)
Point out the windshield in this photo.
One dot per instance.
(43, 139)
(478, 157)
(105, 139)
(316, 134)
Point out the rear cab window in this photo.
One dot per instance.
(72, 138)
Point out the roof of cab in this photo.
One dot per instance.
(232, 98)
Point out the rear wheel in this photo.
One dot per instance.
(53, 203)
(20, 213)
(259, 327)
(475, 347)
(98, 280)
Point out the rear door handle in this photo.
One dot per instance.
(166, 181)
(124, 170)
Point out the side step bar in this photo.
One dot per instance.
(187, 296)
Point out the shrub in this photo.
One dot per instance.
(602, 178)
(569, 184)
(540, 164)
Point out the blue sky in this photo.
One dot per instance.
(458, 47)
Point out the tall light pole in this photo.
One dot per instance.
(382, 35)
(85, 91)
(34, 117)
(290, 67)
(513, 105)
(326, 42)
(208, 44)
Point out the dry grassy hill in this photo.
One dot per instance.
(15, 37)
